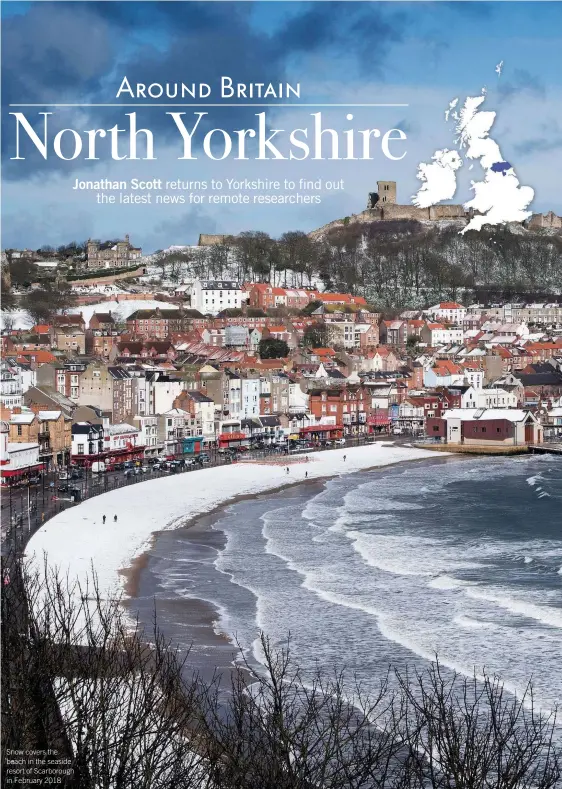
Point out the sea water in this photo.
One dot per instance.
(459, 558)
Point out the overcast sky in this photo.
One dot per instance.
(416, 53)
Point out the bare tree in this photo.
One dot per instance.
(285, 731)
(469, 733)
(120, 705)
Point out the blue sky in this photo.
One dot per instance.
(419, 53)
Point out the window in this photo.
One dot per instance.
(80, 449)
(20, 430)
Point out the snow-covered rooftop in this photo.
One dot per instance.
(46, 416)
(122, 427)
(485, 414)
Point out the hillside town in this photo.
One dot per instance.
(230, 366)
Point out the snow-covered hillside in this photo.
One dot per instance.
(19, 319)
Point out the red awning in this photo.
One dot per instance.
(320, 428)
(17, 472)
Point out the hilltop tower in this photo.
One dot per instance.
(386, 193)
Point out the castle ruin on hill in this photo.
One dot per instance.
(382, 206)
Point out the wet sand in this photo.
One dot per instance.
(203, 522)
(210, 651)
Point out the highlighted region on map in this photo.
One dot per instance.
(498, 197)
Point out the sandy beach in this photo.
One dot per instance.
(78, 543)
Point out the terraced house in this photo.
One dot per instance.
(160, 323)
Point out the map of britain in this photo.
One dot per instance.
(498, 197)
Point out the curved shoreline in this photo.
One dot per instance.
(78, 543)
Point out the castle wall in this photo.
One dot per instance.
(549, 220)
(404, 212)
(208, 239)
(446, 212)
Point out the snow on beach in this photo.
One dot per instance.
(75, 541)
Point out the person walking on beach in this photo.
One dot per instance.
(287, 469)
(103, 519)
(306, 474)
(344, 457)
(115, 519)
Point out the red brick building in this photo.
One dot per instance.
(349, 406)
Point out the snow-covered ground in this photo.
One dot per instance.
(20, 319)
(77, 540)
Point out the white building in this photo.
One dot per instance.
(121, 436)
(212, 296)
(411, 416)
(298, 400)
(148, 433)
(448, 311)
(474, 377)
(171, 430)
(87, 440)
(343, 333)
(203, 410)
(250, 397)
(437, 334)
(163, 390)
(11, 386)
(233, 396)
(493, 397)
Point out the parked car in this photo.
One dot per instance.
(340, 442)
(35, 480)
(98, 467)
(132, 472)
(117, 467)
(63, 488)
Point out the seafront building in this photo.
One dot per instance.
(225, 365)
